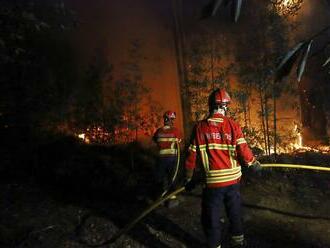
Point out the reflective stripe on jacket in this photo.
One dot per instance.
(166, 138)
(220, 143)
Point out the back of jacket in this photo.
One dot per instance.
(220, 143)
(167, 138)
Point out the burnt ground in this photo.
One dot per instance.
(72, 195)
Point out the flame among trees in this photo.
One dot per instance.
(46, 92)
(287, 7)
(248, 75)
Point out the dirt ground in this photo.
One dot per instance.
(282, 208)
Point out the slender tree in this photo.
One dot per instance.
(179, 42)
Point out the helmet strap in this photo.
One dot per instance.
(168, 121)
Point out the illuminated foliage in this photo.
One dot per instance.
(118, 111)
(205, 71)
(287, 7)
(257, 64)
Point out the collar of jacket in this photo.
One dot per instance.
(216, 117)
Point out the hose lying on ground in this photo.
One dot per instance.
(126, 228)
(296, 166)
(166, 196)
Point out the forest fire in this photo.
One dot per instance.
(83, 137)
(88, 145)
(100, 135)
(299, 147)
(287, 7)
(95, 135)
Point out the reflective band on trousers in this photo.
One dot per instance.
(237, 240)
(167, 151)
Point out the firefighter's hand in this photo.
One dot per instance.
(189, 184)
(256, 167)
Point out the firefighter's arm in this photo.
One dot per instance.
(191, 159)
(190, 162)
(189, 184)
(154, 138)
(244, 153)
(178, 136)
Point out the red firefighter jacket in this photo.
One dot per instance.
(166, 138)
(220, 143)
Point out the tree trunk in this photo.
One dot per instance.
(245, 114)
(179, 43)
(275, 120)
(212, 61)
(263, 120)
(267, 122)
(249, 110)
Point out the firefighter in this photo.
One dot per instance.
(219, 142)
(167, 139)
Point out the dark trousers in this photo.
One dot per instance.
(213, 201)
(165, 171)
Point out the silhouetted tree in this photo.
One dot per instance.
(181, 61)
(37, 60)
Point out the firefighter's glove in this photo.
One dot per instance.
(256, 167)
(189, 184)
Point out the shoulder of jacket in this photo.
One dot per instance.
(232, 121)
(159, 130)
(200, 123)
(175, 129)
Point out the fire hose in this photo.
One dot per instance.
(296, 166)
(166, 196)
(128, 227)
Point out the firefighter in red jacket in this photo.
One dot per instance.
(220, 143)
(167, 139)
